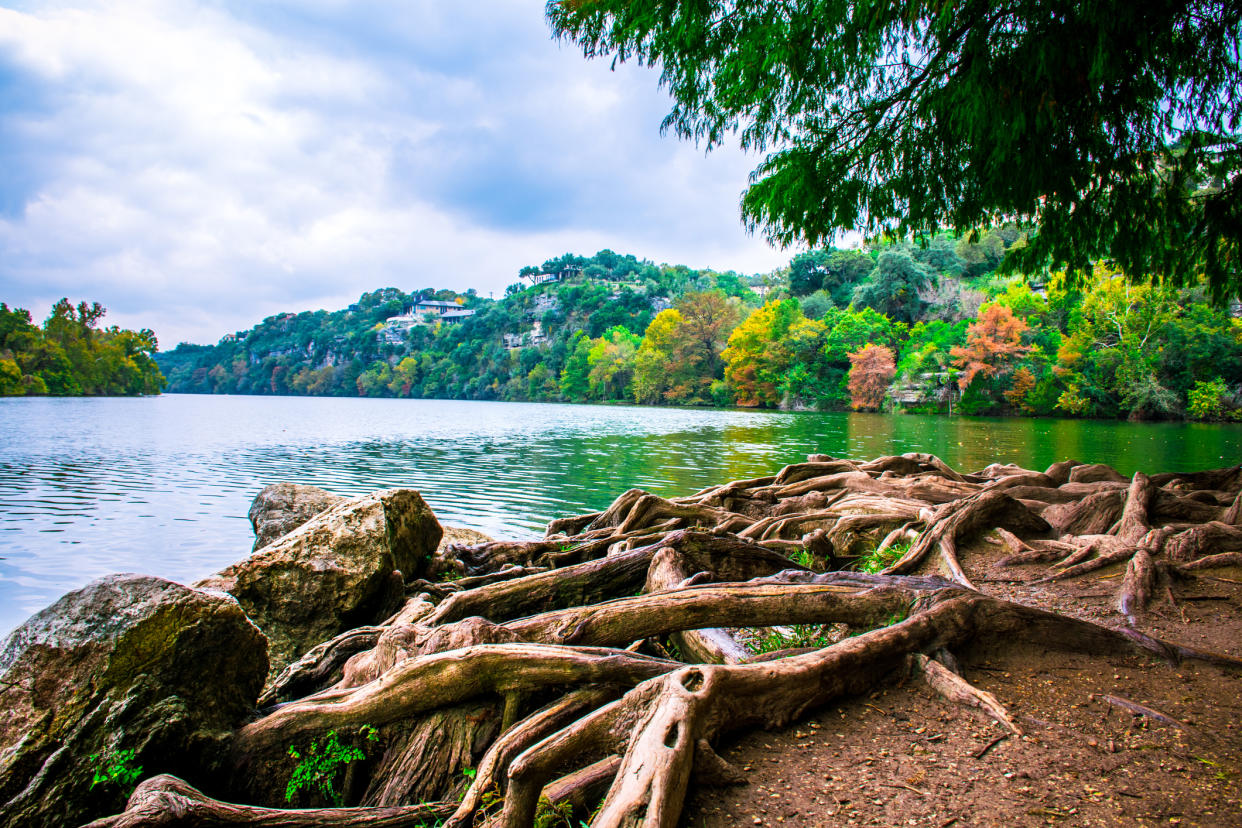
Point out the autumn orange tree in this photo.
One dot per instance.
(871, 371)
(993, 345)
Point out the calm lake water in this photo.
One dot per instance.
(162, 485)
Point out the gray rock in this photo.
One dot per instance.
(283, 507)
(127, 663)
(334, 572)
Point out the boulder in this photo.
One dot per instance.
(461, 536)
(283, 507)
(334, 572)
(127, 663)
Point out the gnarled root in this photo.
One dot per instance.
(168, 801)
(956, 689)
(536, 661)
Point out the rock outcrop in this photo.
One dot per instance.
(334, 572)
(127, 663)
(283, 507)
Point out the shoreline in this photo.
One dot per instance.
(865, 566)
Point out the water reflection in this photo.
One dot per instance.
(162, 485)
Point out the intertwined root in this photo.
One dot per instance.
(595, 669)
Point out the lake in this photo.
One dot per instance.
(162, 485)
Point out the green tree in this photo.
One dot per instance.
(575, 382)
(652, 363)
(1108, 362)
(893, 287)
(611, 363)
(1113, 127)
(10, 379)
(70, 355)
(1207, 400)
(759, 356)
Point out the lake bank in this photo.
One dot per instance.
(847, 580)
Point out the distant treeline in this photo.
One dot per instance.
(71, 356)
(925, 327)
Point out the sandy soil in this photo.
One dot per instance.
(902, 756)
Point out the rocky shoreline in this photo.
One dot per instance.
(587, 675)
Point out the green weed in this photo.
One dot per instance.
(547, 815)
(798, 635)
(116, 768)
(877, 560)
(318, 767)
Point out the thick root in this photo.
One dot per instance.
(531, 661)
(168, 801)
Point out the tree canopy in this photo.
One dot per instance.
(71, 356)
(1112, 127)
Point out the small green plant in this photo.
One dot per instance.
(895, 618)
(878, 560)
(491, 803)
(470, 774)
(116, 768)
(798, 635)
(803, 558)
(318, 767)
(548, 815)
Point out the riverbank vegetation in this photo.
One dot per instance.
(72, 356)
(921, 327)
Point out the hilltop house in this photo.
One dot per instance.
(567, 272)
(434, 307)
(396, 328)
(452, 317)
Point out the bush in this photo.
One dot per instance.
(318, 767)
(1206, 400)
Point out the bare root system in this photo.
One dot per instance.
(592, 672)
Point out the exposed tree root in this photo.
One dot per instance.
(168, 801)
(598, 667)
(956, 689)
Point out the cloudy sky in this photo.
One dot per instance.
(197, 166)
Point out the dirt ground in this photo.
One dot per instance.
(902, 756)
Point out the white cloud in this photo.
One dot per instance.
(196, 169)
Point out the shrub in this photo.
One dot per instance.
(1206, 400)
(318, 767)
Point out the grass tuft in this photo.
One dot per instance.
(879, 560)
